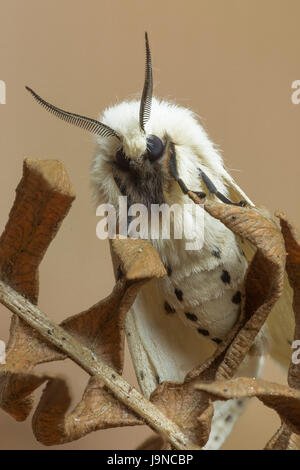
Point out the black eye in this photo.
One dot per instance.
(122, 161)
(155, 147)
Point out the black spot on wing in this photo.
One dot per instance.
(119, 273)
(203, 332)
(168, 269)
(237, 298)
(179, 294)
(225, 277)
(168, 308)
(191, 316)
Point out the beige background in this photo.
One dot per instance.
(233, 62)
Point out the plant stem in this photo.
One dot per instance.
(92, 364)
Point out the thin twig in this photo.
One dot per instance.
(92, 364)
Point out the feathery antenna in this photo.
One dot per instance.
(145, 107)
(89, 124)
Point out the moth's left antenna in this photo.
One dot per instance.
(145, 106)
(89, 124)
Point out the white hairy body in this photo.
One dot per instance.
(176, 323)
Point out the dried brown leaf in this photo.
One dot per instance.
(263, 285)
(101, 329)
(138, 258)
(98, 409)
(43, 198)
(284, 439)
(292, 244)
(16, 392)
(183, 405)
(283, 399)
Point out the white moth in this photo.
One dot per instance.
(177, 322)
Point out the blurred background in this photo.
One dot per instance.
(233, 62)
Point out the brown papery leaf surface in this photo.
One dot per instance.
(44, 197)
(263, 285)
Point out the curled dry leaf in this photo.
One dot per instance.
(98, 409)
(43, 198)
(263, 286)
(183, 405)
(101, 328)
(284, 439)
(292, 244)
(283, 399)
(16, 392)
(94, 365)
(139, 260)
(264, 278)
(261, 230)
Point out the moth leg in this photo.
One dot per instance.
(212, 189)
(174, 173)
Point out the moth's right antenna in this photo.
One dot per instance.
(96, 127)
(145, 106)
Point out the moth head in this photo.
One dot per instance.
(127, 143)
(153, 144)
(132, 155)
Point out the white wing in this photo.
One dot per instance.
(171, 347)
(163, 348)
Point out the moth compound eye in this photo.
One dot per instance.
(155, 147)
(122, 161)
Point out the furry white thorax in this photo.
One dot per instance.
(193, 148)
